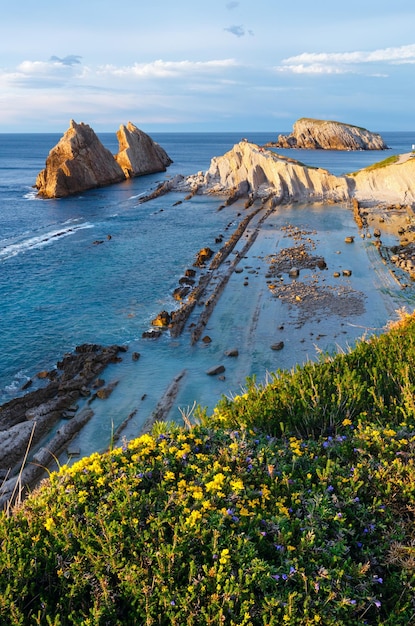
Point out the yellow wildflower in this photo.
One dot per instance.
(237, 484)
(216, 483)
(193, 518)
(224, 556)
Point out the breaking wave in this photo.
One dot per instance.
(39, 241)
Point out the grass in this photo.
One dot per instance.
(379, 165)
(293, 503)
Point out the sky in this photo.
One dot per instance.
(220, 65)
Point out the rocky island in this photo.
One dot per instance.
(80, 161)
(312, 134)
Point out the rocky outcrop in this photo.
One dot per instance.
(248, 170)
(25, 421)
(386, 182)
(256, 173)
(314, 134)
(79, 161)
(138, 153)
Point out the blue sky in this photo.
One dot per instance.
(186, 65)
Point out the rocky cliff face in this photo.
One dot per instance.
(326, 135)
(138, 153)
(80, 161)
(392, 183)
(250, 171)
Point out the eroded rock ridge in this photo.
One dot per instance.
(252, 172)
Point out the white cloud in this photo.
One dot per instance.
(345, 62)
(168, 69)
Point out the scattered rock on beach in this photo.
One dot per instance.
(215, 370)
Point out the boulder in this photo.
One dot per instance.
(138, 153)
(315, 134)
(215, 370)
(202, 256)
(79, 161)
(163, 319)
(232, 352)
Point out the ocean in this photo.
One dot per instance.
(60, 288)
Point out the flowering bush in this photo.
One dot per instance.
(219, 524)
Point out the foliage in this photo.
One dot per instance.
(259, 515)
(376, 166)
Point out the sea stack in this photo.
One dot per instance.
(138, 153)
(78, 162)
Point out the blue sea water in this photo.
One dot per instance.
(60, 288)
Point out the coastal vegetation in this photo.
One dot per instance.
(377, 166)
(293, 503)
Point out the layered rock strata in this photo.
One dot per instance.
(256, 173)
(138, 153)
(314, 134)
(25, 421)
(80, 161)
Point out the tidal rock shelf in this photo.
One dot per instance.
(207, 292)
(26, 422)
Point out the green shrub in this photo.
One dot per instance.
(260, 515)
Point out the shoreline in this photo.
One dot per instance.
(308, 297)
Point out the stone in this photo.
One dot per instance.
(138, 153)
(151, 334)
(163, 319)
(202, 256)
(349, 239)
(277, 346)
(215, 370)
(105, 392)
(233, 352)
(135, 356)
(294, 272)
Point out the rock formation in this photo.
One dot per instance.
(138, 153)
(28, 419)
(386, 182)
(326, 135)
(248, 170)
(79, 161)
(255, 173)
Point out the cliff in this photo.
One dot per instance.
(138, 153)
(326, 135)
(79, 161)
(391, 181)
(248, 169)
(253, 172)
